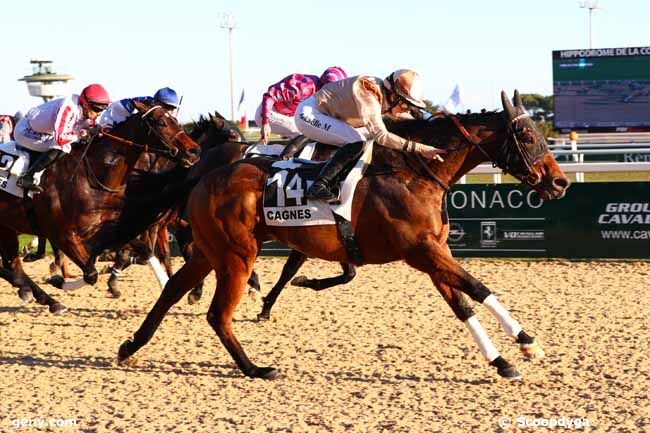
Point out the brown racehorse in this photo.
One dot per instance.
(398, 214)
(78, 212)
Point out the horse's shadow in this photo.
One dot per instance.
(182, 368)
(402, 378)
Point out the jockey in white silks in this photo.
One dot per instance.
(52, 127)
(349, 112)
(121, 110)
(279, 103)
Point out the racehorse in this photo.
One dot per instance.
(397, 212)
(222, 143)
(84, 197)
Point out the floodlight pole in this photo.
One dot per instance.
(228, 22)
(591, 5)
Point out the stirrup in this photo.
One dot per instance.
(28, 184)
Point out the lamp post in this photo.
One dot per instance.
(591, 5)
(228, 22)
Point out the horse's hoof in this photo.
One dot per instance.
(264, 373)
(299, 281)
(58, 308)
(55, 269)
(25, 294)
(124, 358)
(254, 294)
(114, 293)
(263, 316)
(505, 369)
(532, 351)
(193, 298)
(56, 281)
(509, 373)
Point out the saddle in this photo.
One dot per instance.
(14, 162)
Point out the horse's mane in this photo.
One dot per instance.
(214, 123)
(437, 129)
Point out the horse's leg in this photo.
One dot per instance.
(38, 242)
(437, 261)
(162, 249)
(122, 261)
(234, 271)
(13, 272)
(77, 252)
(183, 236)
(349, 272)
(62, 262)
(294, 262)
(193, 271)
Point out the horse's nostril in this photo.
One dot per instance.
(561, 182)
(193, 151)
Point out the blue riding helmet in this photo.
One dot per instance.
(167, 96)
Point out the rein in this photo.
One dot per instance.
(170, 151)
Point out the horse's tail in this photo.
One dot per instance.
(141, 212)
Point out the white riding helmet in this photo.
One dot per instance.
(408, 85)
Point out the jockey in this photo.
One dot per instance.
(52, 127)
(121, 110)
(349, 112)
(279, 103)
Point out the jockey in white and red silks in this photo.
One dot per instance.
(52, 127)
(279, 103)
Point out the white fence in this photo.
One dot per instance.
(592, 144)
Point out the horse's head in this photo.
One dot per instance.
(164, 132)
(214, 130)
(525, 154)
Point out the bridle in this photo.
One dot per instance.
(169, 151)
(507, 150)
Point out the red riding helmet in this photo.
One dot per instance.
(94, 94)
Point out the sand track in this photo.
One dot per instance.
(382, 354)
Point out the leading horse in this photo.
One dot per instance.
(79, 210)
(398, 213)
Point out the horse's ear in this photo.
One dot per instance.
(517, 99)
(507, 106)
(140, 106)
(219, 121)
(217, 114)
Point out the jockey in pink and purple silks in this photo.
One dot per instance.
(279, 103)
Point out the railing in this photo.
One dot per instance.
(593, 144)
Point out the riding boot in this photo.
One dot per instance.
(294, 147)
(346, 155)
(44, 160)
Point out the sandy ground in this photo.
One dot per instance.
(382, 354)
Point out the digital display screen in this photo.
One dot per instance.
(602, 89)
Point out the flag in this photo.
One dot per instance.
(243, 124)
(454, 103)
(241, 100)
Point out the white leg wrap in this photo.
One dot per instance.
(481, 338)
(509, 325)
(116, 272)
(158, 271)
(69, 286)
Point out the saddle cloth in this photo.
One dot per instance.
(13, 163)
(276, 149)
(284, 200)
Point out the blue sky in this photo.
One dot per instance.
(135, 47)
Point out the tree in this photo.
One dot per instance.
(540, 107)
